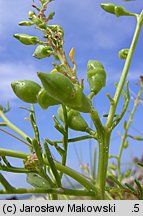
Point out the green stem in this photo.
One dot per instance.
(39, 155)
(13, 169)
(6, 184)
(13, 153)
(61, 55)
(124, 137)
(104, 135)
(65, 138)
(97, 123)
(76, 139)
(68, 171)
(103, 162)
(52, 165)
(125, 71)
(61, 191)
(12, 126)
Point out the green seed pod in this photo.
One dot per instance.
(62, 89)
(26, 23)
(44, 100)
(74, 120)
(27, 39)
(123, 53)
(93, 64)
(42, 51)
(96, 76)
(114, 9)
(108, 7)
(57, 86)
(26, 90)
(120, 11)
(80, 102)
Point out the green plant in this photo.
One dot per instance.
(62, 86)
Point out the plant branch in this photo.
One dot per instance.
(6, 184)
(68, 171)
(12, 126)
(62, 191)
(126, 128)
(10, 134)
(125, 71)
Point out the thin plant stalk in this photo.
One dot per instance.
(104, 140)
(127, 126)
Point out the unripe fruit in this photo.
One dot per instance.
(60, 87)
(27, 39)
(26, 90)
(96, 76)
(44, 100)
(74, 120)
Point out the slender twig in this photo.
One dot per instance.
(125, 71)
(62, 191)
(126, 128)
(6, 184)
(12, 126)
(10, 134)
(52, 165)
(68, 171)
(65, 138)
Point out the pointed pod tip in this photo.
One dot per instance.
(16, 36)
(39, 74)
(13, 83)
(42, 74)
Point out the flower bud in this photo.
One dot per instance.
(27, 39)
(51, 15)
(31, 163)
(26, 90)
(26, 23)
(123, 53)
(57, 29)
(42, 51)
(31, 13)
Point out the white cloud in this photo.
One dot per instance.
(10, 71)
(10, 14)
(132, 76)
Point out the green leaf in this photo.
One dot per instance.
(140, 189)
(37, 181)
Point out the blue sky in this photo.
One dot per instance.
(94, 34)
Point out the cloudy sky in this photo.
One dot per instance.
(94, 34)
